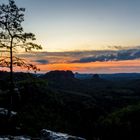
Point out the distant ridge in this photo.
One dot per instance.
(69, 74)
(115, 76)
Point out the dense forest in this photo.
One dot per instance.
(94, 108)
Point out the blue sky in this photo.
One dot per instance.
(62, 25)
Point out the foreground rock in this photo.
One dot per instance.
(45, 135)
(15, 138)
(4, 113)
(50, 135)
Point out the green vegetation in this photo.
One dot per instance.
(91, 108)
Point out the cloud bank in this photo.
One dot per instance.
(82, 56)
(120, 55)
(42, 61)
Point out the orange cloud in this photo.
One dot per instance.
(96, 67)
(93, 67)
(86, 61)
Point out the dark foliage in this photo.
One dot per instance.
(91, 108)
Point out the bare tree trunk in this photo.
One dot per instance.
(11, 64)
(11, 78)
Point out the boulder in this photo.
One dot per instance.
(50, 135)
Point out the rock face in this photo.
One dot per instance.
(50, 135)
(59, 75)
(45, 135)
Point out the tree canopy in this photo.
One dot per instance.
(13, 37)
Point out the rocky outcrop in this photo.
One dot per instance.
(15, 138)
(45, 135)
(50, 135)
(59, 75)
(96, 77)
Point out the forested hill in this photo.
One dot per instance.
(93, 108)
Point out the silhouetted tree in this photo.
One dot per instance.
(12, 37)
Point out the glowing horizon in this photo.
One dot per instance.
(125, 61)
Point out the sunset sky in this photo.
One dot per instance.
(79, 34)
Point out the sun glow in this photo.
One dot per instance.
(96, 67)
